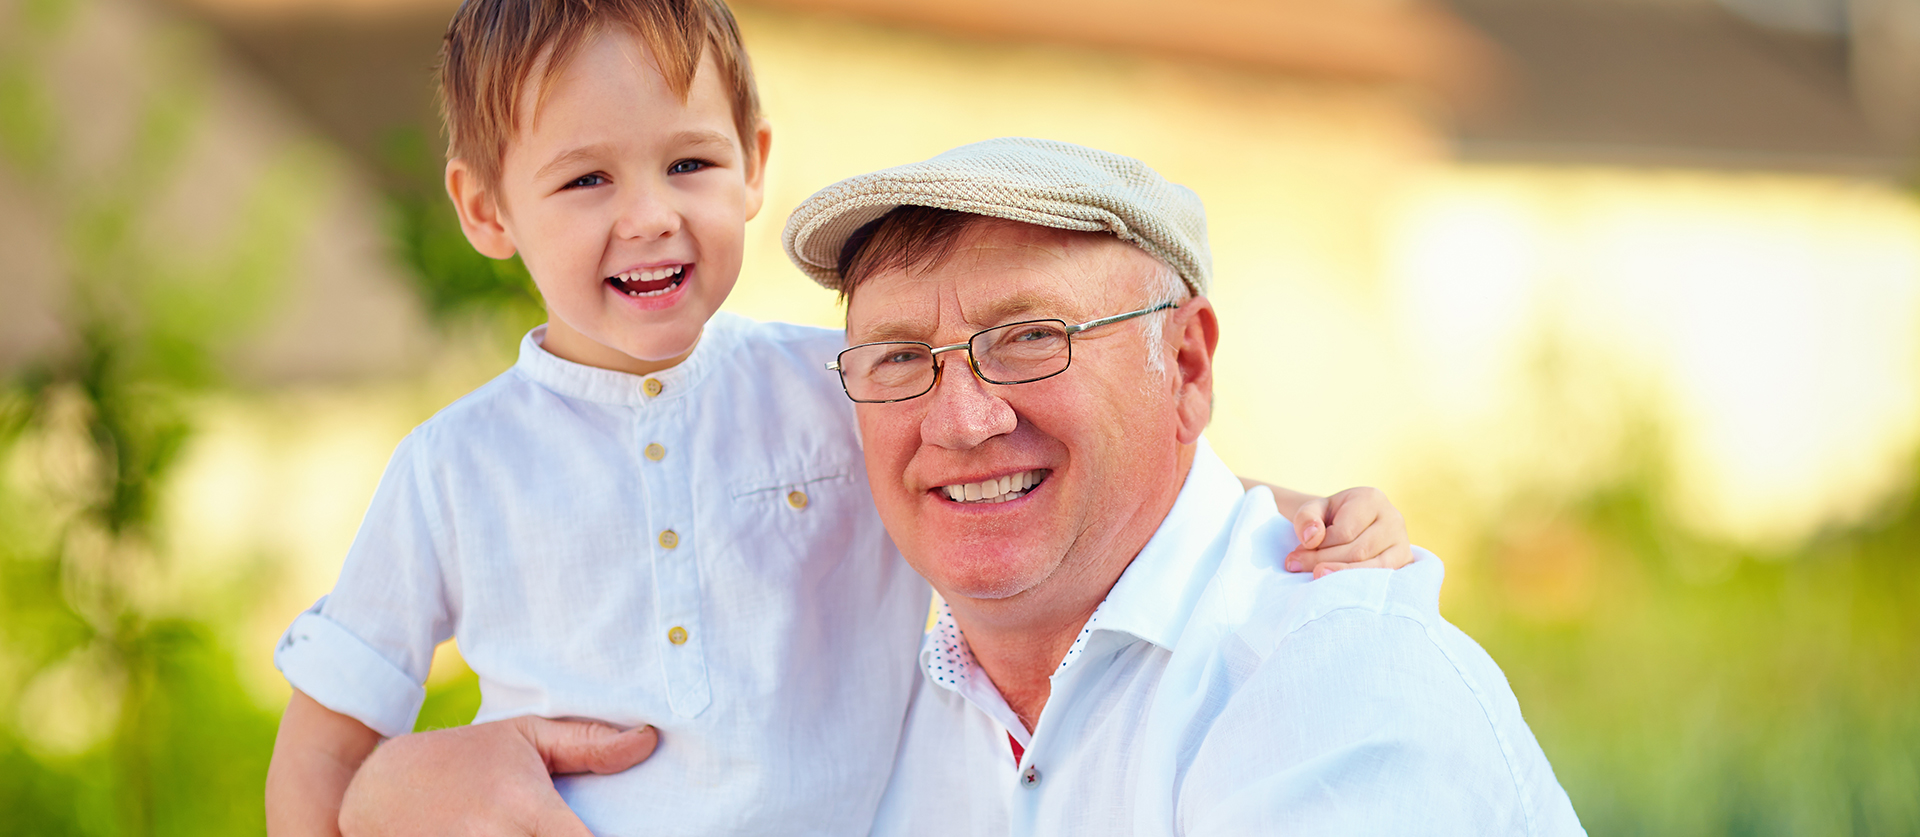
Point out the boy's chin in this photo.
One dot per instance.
(662, 350)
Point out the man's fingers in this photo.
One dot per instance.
(588, 746)
(1309, 523)
(557, 820)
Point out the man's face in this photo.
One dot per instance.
(1102, 438)
(627, 204)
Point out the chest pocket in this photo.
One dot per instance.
(802, 525)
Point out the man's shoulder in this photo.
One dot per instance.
(1354, 681)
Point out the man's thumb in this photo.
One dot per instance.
(589, 746)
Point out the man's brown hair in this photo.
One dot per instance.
(492, 48)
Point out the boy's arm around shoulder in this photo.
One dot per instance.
(1368, 718)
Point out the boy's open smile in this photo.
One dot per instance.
(654, 287)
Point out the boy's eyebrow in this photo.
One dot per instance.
(703, 137)
(576, 156)
(570, 159)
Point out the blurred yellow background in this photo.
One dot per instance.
(1617, 299)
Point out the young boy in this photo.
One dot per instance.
(659, 515)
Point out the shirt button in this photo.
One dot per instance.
(1028, 777)
(678, 636)
(653, 387)
(655, 452)
(797, 499)
(668, 539)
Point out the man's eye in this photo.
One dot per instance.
(585, 181)
(1035, 333)
(687, 166)
(904, 356)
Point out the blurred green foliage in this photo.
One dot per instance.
(457, 285)
(1686, 686)
(121, 712)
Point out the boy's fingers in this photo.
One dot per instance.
(1396, 556)
(588, 746)
(1331, 567)
(1354, 511)
(1343, 553)
(1309, 523)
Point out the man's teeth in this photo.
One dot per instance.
(1009, 487)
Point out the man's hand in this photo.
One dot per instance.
(1355, 528)
(485, 780)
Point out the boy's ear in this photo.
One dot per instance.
(479, 211)
(1196, 335)
(757, 167)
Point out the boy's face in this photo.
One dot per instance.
(627, 205)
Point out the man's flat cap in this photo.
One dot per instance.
(1050, 184)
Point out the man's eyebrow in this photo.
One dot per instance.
(571, 158)
(1025, 305)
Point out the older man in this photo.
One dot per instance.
(1122, 651)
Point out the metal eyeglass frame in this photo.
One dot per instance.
(934, 353)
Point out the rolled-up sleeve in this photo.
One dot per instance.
(365, 649)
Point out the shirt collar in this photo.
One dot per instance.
(1154, 596)
(606, 386)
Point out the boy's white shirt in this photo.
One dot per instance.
(525, 521)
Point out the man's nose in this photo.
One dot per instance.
(964, 411)
(647, 211)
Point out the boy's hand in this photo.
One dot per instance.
(490, 780)
(1355, 528)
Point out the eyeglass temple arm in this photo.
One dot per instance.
(1118, 317)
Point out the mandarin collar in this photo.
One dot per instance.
(606, 386)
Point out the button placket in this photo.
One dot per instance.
(674, 551)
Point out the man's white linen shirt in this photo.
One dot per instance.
(696, 550)
(1213, 693)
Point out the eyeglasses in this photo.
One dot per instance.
(1016, 353)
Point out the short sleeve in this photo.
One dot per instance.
(364, 650)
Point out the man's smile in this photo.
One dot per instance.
(1001, 489)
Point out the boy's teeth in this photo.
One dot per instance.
(637, 277)
(997, 490)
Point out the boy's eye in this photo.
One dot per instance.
(687, 166)
(585, 180)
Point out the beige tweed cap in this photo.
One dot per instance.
(1051, 184)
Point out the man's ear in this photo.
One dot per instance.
(1197, 336)
(479, 211)
(757, 167)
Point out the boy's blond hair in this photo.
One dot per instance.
(492, 48)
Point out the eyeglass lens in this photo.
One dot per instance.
(1009, 354)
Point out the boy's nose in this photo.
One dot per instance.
(647, 213)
